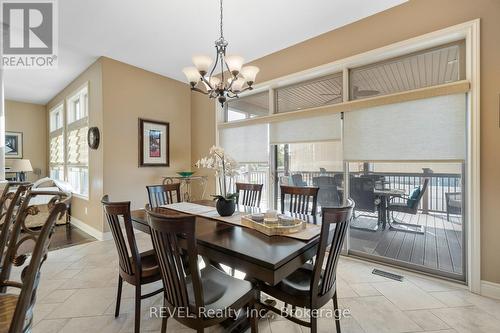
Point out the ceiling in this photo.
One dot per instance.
(162, 35)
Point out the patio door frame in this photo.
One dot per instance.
(468, 31)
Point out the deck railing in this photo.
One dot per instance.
(434, 200)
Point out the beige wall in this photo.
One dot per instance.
(31, 120)
(408, 20)
(202, 137)
(89, 210)
(131, 93)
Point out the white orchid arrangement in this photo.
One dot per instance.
(225, 167)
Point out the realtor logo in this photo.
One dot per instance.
(29, 38)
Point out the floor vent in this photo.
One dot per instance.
(388, 275)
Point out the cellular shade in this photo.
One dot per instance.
(426, 129)
(246, 144)
(313, 129)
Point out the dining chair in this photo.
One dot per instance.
(165, 194)
(13, 201)
(301, 200)
(250, 194)
(191, 294)
(16, 310)
(311, 286)
(408, 206)
(135, 267)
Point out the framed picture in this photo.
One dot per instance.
(153, 143)
(13, 145)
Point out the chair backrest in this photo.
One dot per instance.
(164, 194)
(14, 200)
(20, 232)
(30, 276)
(298, 180)
(166, 231)
(416, 203)
(249, 194)
(361, 190)
(328, 196)
(338, 179)
(324, 280)
(129, 261)
(7, 194)
(302, 200)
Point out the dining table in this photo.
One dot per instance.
(266, 258)
(384, 195)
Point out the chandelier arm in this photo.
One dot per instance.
(246, 89)
(215, 64)
(199, 90)
(203, 79)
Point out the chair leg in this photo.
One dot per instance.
(118, 296)
(137, 322)
(254, 319)
(336, 311)
(164, 324)
(314, 325)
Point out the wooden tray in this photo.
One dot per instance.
(274, 230)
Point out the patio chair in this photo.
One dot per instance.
(453, 203)
(328, 195)
(298, 180)
(362, 192)
(408, 207)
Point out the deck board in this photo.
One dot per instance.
(439, 248)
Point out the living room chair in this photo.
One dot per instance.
(165, 194)
(193, 289)
(135, 267)
(250, 194)
(311, 286)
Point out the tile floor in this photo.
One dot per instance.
(78, 288)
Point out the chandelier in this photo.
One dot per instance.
(201, 77)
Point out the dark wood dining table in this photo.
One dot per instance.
(266, 258)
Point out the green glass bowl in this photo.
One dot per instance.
(185, 174)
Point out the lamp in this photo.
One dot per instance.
(20, 167)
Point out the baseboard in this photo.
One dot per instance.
(490, 289)
(99, 235)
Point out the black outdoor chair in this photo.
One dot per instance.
(409, 206)
(453, 203)
(362, 191)
(328, 195)
(298, 180)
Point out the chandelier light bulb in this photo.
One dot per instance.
(237, 84)
(192, 74)
(202, 63)
(250, 73)
(234, 63)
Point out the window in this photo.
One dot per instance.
(251, 106)
(68, 142)
(326, 90)
(427, 68)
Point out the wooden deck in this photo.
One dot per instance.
(439, 248)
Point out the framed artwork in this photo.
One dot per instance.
(153, 143)
(13, 145)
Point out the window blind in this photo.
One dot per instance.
(57, 148)
(77, 146)
(426, 129)
(246, 144)
(314, 129)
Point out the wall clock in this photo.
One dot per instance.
(93, 137)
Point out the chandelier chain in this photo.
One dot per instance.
(221, 17)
